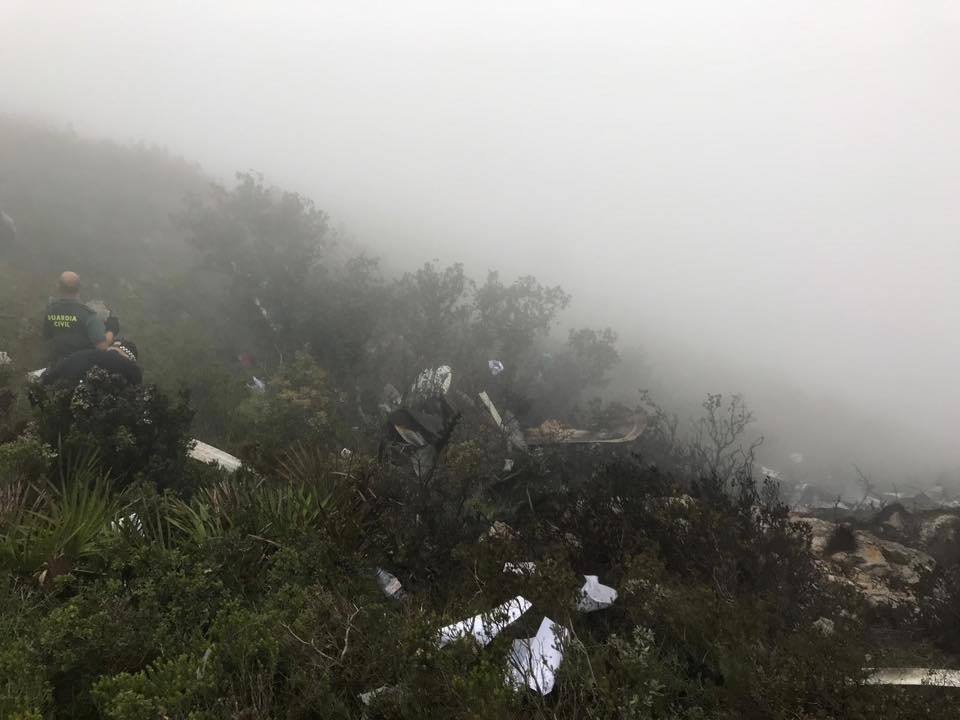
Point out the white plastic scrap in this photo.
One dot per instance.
(533, 662)
(520, 568)
(594, 596)
(433, 381)
(391, 587)
(486, 626)
(496, 367)
(208, 453)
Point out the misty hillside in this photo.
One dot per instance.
(381, 501)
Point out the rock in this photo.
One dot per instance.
(940, 537)
(824, 626)
(886, 573)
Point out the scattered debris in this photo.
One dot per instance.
(533, 662)
(496, 367)
(520, 568)
(422, 429)
(508, 465)
(35, 375)
(345, 453)
(486, 626)
(207, 454)
(368, 697)
(257, 385)
(390, 585)
(5, 359)
(914, 676)
(595, 596)
(553, 432)
(433, 381)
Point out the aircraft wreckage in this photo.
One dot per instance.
(420, 424)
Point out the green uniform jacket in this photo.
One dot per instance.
(68, 326)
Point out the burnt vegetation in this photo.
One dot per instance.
(140, 585)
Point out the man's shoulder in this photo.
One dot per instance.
(69, 304)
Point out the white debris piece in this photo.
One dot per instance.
(4, 358)
(131, 521)
(508, 465)
(496, 367)
(433, 381)
(534, 662)
(520, 568)
(257, 385)
(594, 596)
(488, 403)
(391, 587)
(914, 676)
(772, 474)
(368, 697)
(486, 626)
(35, 375)
(208, 453)
(346, 452)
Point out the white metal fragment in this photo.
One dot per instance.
(208, 453)
(914, 676)
(485, 626)
(595, 596)
(533, 662)
(488, 403)
(433, 381)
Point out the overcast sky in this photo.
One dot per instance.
(774, 184)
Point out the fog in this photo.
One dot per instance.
(762, 196)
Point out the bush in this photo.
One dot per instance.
(137, 432)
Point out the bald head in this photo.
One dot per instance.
(69, 284)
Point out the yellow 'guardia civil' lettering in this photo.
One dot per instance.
(62, 321)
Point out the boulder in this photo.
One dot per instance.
(940, 537)
(886, 573)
